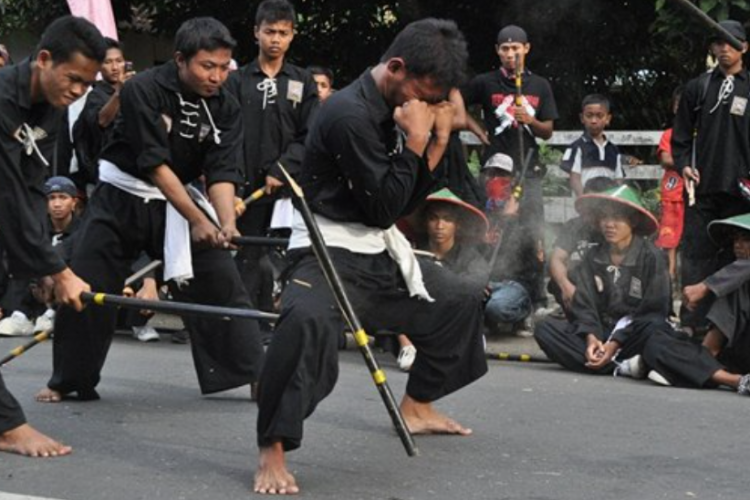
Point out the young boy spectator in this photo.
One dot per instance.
(592, 155)
(672, 203)
(622, 291)
(324, 80)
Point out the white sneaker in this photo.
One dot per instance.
(145, 333)
(658, 378)
(406, 357)
(45, 322)
(16, 325)
(632, 367)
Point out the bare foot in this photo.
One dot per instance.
(25, 440)
(47, 395)
(422, 418)
(272, 477)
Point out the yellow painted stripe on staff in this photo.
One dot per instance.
(379, 377)
(99, 299)
(17, 351)
(361, 338)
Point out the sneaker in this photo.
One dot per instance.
(406, 357)
(632, 367)
(16, 325)
(145, 333)
(180, 337)
(658, 378)
(525, 329)
(45, 322)
(743, 389)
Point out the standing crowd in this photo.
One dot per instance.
(99, 177)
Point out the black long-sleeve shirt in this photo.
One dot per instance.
(638, 287)
(275, 125)
(88, 135)
(355, 169)
(23, 205)
(723, 141)
(163, 123)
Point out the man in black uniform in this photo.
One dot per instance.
(94, 126)
(175, 125)
(495, 92)
(360, 175)
(278, 100)
(715, 106)
(33, 96)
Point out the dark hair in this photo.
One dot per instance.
(599, 185)
(112, 43)
(596, 99)
(274, 11)
(433, 48)
(321, 70)
(202, 33)
(69, 35)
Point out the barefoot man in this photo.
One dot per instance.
(369, 160)
(34, 94)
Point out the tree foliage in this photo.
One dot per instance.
(637, 51)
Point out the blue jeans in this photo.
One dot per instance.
(509, 302)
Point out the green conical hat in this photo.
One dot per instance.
(721, 230)
(624, 196)
(474, 222)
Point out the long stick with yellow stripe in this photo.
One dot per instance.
(526, 358)
(337, 287)
(14, 353)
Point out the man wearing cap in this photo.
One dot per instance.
(711, 149)
(622, 289)
(495, 92)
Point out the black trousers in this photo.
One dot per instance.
(700, 255)
(557, 339)
(11, 413)
(680, 359)
(116, 228)
(301, 366)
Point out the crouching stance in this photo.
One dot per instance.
(176, 124)
(622, 289)
(360, 175)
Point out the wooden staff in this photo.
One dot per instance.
(337, 287)
(526, 358)
(704, 18)
(519, 104)
(172, 307)
(257, 194)
(260, 241)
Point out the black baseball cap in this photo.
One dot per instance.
(512, 33)
(60, 184)
(735, 28)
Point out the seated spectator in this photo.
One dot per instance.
(577, 236)
(450, 229)
(592, 155)
(723, 359)
(622, 289)
(513, 273)
(25, 300)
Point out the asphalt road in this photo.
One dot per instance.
(540, 433)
